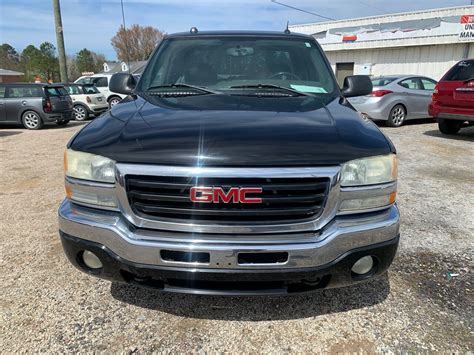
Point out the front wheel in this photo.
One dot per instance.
(114, 101)
(80, 113)
(448, 126)
(397, 116)
(31, 120)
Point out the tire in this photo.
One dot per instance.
(449, 126)
(62, 123)
(114, 100)
(80, 113)
(397, 116)
(31, 120)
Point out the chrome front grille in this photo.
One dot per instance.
(284, 199)
(295, 199)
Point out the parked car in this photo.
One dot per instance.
(396, 99)
(453, 98)
(237, 167)
(33, 105)
(87, 100)
(101, 81)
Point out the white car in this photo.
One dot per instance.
(101, 81)
(87, 100)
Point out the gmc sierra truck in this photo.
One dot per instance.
(235, 166)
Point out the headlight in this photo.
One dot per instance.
(369, 171)
(88, 166)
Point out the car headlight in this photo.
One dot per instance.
(88, 166)
(95, 176)
(369, 171)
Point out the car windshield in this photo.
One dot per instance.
(462, 71)
(73, 90)
(56, 91)
(228, 64)
(90, 89)
(381, 81)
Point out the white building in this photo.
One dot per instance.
(425, 42)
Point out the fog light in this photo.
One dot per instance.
(363, 265)
(91, 260)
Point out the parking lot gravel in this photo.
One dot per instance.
(424, 303)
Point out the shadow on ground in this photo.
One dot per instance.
(9, 133)
(8, 126)
(465, 134)
(259, 308)
(407, 123)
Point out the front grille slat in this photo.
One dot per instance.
(228, 211)
(283, 199)
(156, 197)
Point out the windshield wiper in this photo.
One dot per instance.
(270, 86)
(181, 85)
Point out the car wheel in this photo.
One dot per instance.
(31, 120)
(114, 101)
(397, 116)
(449, 126)
(80, 113)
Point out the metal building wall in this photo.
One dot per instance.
(432, 61)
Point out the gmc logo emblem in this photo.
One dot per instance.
(217, 195)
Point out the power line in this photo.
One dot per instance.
(372, 6)
(308, 12)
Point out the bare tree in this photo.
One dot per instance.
(137, 41)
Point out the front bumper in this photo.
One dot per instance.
(321, 259)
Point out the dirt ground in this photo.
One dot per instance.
(425, 303)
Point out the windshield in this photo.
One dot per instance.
(382, 81)
(90, 89)
(226, 64)
(462, 71)
(56, 91)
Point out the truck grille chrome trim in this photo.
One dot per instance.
(293, 199)
(282, 200)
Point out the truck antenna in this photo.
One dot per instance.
(287, 30)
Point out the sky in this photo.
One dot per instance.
(92, 23)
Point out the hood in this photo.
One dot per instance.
(223, 130)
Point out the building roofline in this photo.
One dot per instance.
(8, 72)
(380, 16)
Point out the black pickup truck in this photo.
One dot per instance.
(235, 166)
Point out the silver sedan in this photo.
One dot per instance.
(396, 98)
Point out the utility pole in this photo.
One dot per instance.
(60, 40)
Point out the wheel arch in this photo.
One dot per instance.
(83, 105)
(111, 96)
(401, 103)
(26, 109)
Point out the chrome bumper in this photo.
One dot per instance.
(143, 246)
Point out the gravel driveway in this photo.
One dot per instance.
(424, 303)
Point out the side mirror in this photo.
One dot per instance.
(356, 85)
(122, 83)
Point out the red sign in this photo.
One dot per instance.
(467, 19)
(349, 38)
(217, 195)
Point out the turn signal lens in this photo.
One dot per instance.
(367, 203)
